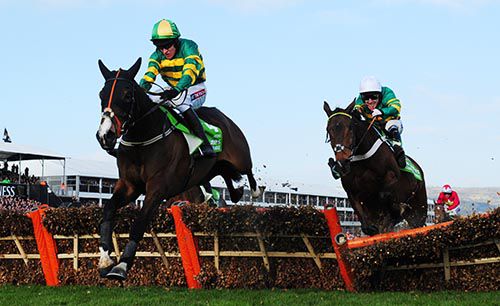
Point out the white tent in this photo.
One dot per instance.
(15, 152)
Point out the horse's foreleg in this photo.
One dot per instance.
(137, 230)
(121, 197)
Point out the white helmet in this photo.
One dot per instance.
(447, 189)
(370, 84)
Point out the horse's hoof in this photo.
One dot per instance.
(103, 272)
(119, 272)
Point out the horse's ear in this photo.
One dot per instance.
(104, 70)
(135, 68)
(327, 109)
(350, 107)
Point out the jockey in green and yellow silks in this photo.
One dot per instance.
(181, 66)
(380, 102)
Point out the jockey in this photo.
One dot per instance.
(380, 102)
(180, 65)
(450, 199)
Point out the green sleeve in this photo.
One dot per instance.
(390, 105)
(153, 70)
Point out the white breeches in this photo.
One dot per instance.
(194, 97)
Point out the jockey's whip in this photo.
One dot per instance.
(371, 123)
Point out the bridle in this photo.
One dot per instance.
(337, 148)
(121, 128)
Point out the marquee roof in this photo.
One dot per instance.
(16, 152)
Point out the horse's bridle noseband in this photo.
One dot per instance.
(121, 128)
(337, 148)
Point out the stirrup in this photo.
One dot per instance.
(207, 151)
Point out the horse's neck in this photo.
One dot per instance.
(370, 138)
(147, 124)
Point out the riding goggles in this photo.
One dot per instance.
(164, 43)
(370, 96)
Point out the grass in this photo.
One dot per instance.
(80, 295)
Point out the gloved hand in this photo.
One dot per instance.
(376, 112)
(169, 94)
(331, 162)
(333, 167)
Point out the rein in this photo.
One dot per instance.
(108, 109)
(371, 151)
(123, 128)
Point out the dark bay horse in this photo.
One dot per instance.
(381, 194)
(153, 159)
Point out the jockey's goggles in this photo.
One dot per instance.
(164, 43)
(370, 96)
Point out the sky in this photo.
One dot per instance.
(270, 65)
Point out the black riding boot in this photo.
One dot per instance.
(194, 124)
(399, 153)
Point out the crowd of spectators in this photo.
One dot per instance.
(12, 175)
(17, 203)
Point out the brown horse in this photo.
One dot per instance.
(381, 194)
(154, 159)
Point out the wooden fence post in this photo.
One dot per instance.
(446, 264)
(75, 252)
(262, 248)
(160, 249)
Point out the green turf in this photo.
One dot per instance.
(78, 295)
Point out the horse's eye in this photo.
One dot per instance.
(127, 95)
(101, 95)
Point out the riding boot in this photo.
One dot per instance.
(194, 124)
(399, 153)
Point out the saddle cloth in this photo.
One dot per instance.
(410, 165)
(214, 133)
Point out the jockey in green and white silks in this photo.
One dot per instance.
(181, 66)
(380, 102)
